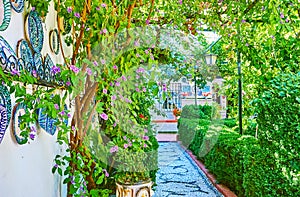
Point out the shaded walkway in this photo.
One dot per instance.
(179, 175)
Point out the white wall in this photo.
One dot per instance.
(25, 170)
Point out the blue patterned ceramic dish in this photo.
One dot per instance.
(6, 15)
(45, 122)
(5, 110)
(3, 121)
(18, 112)
(48, 64)
(54, 41)
(34, 31)
(24, 52)
(6, 49)
(38, 65)
(17, 5)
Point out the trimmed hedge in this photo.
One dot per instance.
(268, 166)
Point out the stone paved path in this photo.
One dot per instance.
(179, 175)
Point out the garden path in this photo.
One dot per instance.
(179, 175)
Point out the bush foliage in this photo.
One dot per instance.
(264, 166)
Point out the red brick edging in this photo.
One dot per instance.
(222, 188)
(161, 121)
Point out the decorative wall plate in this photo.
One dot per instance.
(24, 52)
(38, 65)
(54, 41)
(48, 64)
(18, 111)
(5, 110)
(17, 5)
(34, 31)
(3, 121)
(5, 14)
(47, 123)
(6, 48)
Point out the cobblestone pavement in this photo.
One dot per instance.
(179, 175)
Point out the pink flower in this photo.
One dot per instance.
(114, 149)
(74, 69)
(89, 71)
(146, 137)
(145, 130)
(104, 116)
(125, 146)
(281, 15)
(32, 136)
(115, 67)
(145, 145)
(62, 113)
(180, 2)
(34, 73)
(117, 83)
(77, 15)
(113, 97)
(95, 63)
(144, 89)
(33, 8)
(97, 8)
(137, 89)
(147, 22)
(68, 83)
(104, 31)
(115, 124)
(103, 5)
(15, 72)
(73, 128)
(124, 78)
(104, 91)
(106, 173)
(56, 106)
(69, 9)
(102, 61)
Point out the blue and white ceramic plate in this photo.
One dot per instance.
(6, 49)
(38, 65)
(18, 112)
(45, 122)
(54, 41)
(5, 14)
(17, 5)
(5, 110)
(3, 121)
(48, 64)
(34, 31)
(24, 52)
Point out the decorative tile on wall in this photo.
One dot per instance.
(5, 110)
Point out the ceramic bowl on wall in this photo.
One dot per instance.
(3, 121)
(5, 110)
(18, 111)
(48, 64)
(5, 51)
(17, 5)
(54, 41)
(39, 65)
(34, 31)
(45, 122)
(24, 52)
(5, 14)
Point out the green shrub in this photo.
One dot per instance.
(186, 130)
(279, 133)
(230, 122)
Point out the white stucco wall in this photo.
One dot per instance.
(25, 170)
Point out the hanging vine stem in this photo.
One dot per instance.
(59, 33)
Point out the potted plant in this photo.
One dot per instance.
(133, 160)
